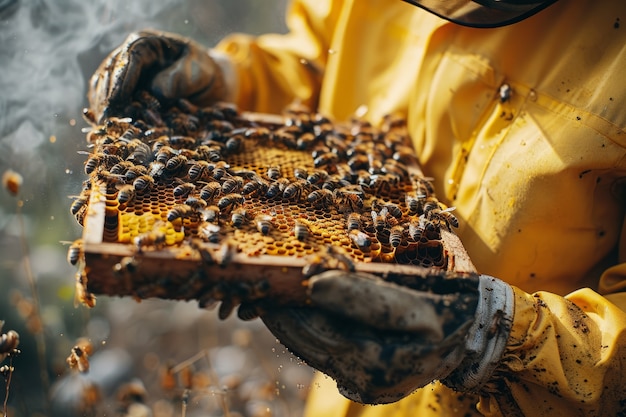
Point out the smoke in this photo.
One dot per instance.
(45, 46)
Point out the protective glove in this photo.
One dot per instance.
(168, 65)
(381, 341)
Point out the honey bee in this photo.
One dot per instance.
(359, 162)
(382, 219)
(156, 169)
(396, 169)
(179, 142)
(354, 221)
(415, 203)
(95, 160)
(122, 167)
(258, 133)
(234, 144)
(321, 198)
(348, 200)
(406, 155)
(75, 251)
(141, 154)
(360, 239)
(81, 295)
(210, 214)
(325, 159)
(424, 187)
(263, 223)
(255, 188)
(164, 153)
(79, 203)
(209, 232)
(143, 183)
(175, 164)
(431, 207)
(79, 355)
(382, 183)
(210, 191)
(232, 185)
(230, 201)
(277, 187)
(179, 211)
(317, 177)
(305, 141)
(445, 216)
(392, 208)
(416, 228)
(300, 173)
(199, 170)
(238, 217)
(294, 190)
(396, 234)
(154, 238)
(274, 172)
(183, 190)
(196, 204)
(125, 193)
(300, 230)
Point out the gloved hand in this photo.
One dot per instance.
(168, 65)
(381, 341)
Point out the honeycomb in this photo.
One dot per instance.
(179, 188)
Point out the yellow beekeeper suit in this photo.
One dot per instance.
(522, 128)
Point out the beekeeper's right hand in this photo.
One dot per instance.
(166, 64)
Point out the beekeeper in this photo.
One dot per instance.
(517, 110)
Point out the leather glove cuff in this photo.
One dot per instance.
(487, 337)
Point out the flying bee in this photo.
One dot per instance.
(143, 183)
(300, 173)
(179, 211)
(321, 198)
(81, 295)
(125, 193)
(210, 191)
(79, 355)
(300, 230)
(199, 170)
(210, 214)
(183, 190)
(317, 177)
(195, 203)
(238, 217)
(263, 223)
(294, 190)
(273, 172)
(396, 233)
(255, 188)
(232, 185)
(74, 252)
(360, 239)
(353, 221)
(277, 187)
(154, 238)
(230, 201)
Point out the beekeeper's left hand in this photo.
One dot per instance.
(381, 341)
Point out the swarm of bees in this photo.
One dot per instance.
(211, 175)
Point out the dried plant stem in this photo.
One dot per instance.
(8, 382)
(39, 335)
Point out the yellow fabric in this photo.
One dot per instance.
(537, 178)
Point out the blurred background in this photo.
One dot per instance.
(151, 358)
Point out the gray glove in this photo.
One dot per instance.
(381, 341)
(168, 65)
